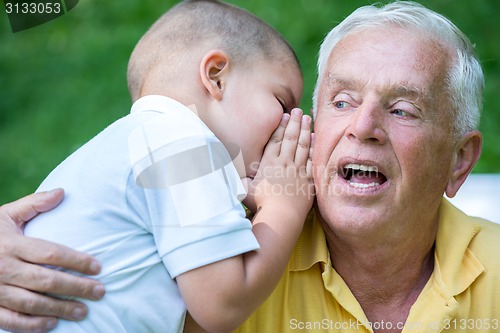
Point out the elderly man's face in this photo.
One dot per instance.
(383, 147)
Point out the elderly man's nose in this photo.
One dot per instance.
(367, 125)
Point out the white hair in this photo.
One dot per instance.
(465, 79)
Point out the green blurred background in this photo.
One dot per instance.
(64, 81)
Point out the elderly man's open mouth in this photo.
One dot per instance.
(362, 174)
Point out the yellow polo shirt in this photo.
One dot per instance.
(462, 294)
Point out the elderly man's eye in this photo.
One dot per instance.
(399, 112)
(403, 113)
(341, 101)
(340, 104)
(403, 109)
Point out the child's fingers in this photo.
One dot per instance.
(304, 142)
(273, 146)
(309, 160)
(291, 136)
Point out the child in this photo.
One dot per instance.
(155, 195)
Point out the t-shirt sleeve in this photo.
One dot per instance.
(192, 191)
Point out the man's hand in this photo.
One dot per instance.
(23, 306)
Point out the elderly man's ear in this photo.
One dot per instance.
(466, 155)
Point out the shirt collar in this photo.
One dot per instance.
(459, 267)
(455, 262)
(157, 103)
(311, 246)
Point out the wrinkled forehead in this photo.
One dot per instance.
(389, 56)
(403, 36)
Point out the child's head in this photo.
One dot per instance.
(238, 71)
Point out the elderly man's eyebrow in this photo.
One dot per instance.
(407, 90)
(414, 92)
(332, 80)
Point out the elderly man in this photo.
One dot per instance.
(397, 106)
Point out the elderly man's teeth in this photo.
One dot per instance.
(361, 185)
(361, 167)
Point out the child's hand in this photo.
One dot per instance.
(284, 176)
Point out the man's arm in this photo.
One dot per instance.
(23, 307)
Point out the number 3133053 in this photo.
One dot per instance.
(33, 8)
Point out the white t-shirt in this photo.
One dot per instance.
(152, 196)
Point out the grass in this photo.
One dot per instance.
(64, 81)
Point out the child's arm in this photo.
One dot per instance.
(220, 296)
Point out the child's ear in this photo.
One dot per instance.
(213, 68)
(466, 155)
